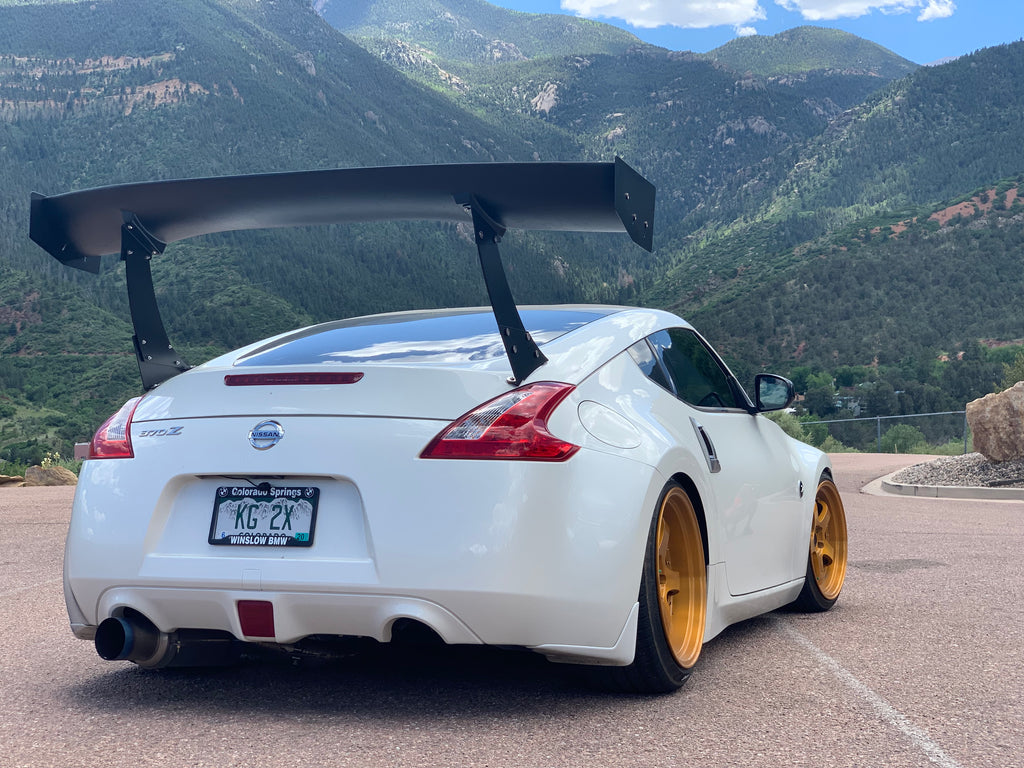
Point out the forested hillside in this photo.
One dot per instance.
(692, 126)
(204, 87)
(884, 290)
(690, 123)
(768, 153)
(810, 49)
(913, 148)
(825, 208)
(473, 31)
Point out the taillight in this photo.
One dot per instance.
(282, 379)
(114, 439)
(511, 426)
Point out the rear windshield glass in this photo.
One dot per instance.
(414, 337)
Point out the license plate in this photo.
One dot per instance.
(264, 516)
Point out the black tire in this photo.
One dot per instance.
(827, 553)
(661, 665)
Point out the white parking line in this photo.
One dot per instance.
(886, 711)
(19, 590)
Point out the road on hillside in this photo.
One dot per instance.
(918, 665)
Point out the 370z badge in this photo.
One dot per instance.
(166, 432)
(265, 435)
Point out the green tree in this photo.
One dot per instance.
(902, 438)
(852, 375)
(1013, 372)
(821, 400)
(880, 399)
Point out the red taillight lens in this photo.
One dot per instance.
(281, 379)
(114, 439)
(511, 426)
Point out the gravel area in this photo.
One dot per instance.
(971, 469)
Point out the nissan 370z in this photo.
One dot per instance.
(588, 482)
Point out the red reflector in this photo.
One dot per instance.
(256, 618)
(269, 379)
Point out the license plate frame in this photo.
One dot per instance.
(264, 516)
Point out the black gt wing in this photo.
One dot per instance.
(139, 220)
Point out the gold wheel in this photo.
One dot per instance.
(828, 541)
(682, 577)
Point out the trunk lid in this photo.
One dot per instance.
(382, 391)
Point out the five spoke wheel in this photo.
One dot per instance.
(826, 564)
(682, 577)
(828, 541)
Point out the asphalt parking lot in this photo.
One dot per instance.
(919, 664)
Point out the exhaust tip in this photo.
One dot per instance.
(131, 637)
(406, 631)
(114, 639)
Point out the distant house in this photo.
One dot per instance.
(848, 403)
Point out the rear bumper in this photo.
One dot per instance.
(300, 615)
(506, 553)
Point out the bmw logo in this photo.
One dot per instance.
(265, 435)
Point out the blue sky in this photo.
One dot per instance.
(920, 30)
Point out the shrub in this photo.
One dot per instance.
(1013, 372)
(790, 424)
(831, 445)
(903, 438)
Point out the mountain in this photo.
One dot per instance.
(691, 127)
(473, 31)
(201, 87)
(208, 87)
(802, 50)
(803, 205)
(691, 123)
(921, 140)
(931, 141)
(884, 290)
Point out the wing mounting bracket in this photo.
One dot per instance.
(157, 359)
(523, 353)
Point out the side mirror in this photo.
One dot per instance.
(773, 392)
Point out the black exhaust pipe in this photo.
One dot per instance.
(133, 637)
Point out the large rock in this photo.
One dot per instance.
(11, 481)
(50, 476)
(997, 422)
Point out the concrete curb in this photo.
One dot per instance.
(888, 485)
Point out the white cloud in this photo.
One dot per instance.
(937, 9)
(745, 31)
(740, 13)
(679, 13)
(821, 10)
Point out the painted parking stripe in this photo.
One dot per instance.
(886, 711)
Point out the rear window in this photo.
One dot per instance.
(415, 337)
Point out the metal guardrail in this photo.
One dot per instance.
(879, 419)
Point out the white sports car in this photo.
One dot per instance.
(588, 482)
